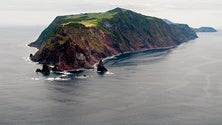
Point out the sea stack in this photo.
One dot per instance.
(45, 69)
(101, 68)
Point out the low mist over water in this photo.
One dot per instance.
(167, 87)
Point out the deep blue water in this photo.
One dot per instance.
(180, 86)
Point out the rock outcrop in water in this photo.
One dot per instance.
(101, 68)
(79, 41)
(45, 69)
(205, 29)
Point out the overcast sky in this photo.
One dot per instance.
(196, 13)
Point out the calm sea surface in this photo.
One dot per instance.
(181, 86)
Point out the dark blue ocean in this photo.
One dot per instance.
(179, 86)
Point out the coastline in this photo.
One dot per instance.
(134, 52)
(114, 56)
(109, 57)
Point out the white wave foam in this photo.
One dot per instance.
(109, 73)
(27, 45)
(36, 79)
(28, 60)
(61, 78)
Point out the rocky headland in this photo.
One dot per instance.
(205, 29)
(79, 41)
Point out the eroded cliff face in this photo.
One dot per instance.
(75, 47)
(73, 42)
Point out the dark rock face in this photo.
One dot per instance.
(68, 44)
(101, 68)
(205, 29)
(45, 69)
(30, 56)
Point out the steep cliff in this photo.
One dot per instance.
(78, 41)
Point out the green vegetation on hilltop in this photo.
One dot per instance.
(87, 19)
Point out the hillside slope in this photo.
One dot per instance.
(78, 41)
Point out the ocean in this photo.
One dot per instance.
(179, 86)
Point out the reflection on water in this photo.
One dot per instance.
(132, 58)
(160, 87)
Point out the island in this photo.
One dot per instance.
(74, 42)
(205, 29)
